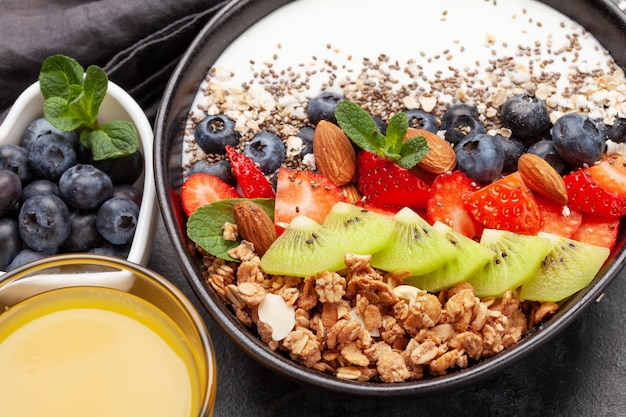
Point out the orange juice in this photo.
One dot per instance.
(92, 351)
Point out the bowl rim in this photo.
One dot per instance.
(141, 249)
(185, 80)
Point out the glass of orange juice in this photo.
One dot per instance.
(91, 335)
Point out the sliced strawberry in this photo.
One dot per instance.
(506, 204)
(597, 230)
(306, 193)
(384, 210)
(610, 174)
(557, 218)
(249, 175)
(202, 188)
(383, 182)
(587, 193)
(446, 203)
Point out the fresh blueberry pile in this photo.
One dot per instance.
(54, 198)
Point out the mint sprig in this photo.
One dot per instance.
(72, 101)
(204, 226)
(360, 127)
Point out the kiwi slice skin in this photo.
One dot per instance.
(472, 256)
(517, 259)
(304, 248)
(569, 267)
(414, 246)
(362, 232)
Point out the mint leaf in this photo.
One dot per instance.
(94, 90)
(412, 151)
(396, 131)
(359, 126)
(204, 226)
(73, 98)
(62, 115)
(59, 77)
(112, 140)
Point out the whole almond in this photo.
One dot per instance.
(542, 178)
(334, 155)
(352, 193)
(441, 157)
(254, 225)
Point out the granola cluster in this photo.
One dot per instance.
(363, 324)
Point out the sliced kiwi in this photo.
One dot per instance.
(304, 248)
(472, 256)
(361, 231)
(569, 267)
(517, 259)
(414, 246)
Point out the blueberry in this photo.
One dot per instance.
(83, 155)
(513, 149)
(15, 158)
(577, 139)
(83, 232)
(420, 119)
(221, 169)
(127, 191)
(455, 111)
(85, 187)
(44, 222)
(42, 126)
(50, 156)
(10, 190)
(123, 170)
(525, 115)
(267, 150)
(481, 157)
(117, 220)
(108, 249)
(463, 126)
(306, 134)
(10, 242)
(382, 126)
(40, 187)
(25, 256)
(215, 132)
(322, 107)
(546, 150)
(615, 131)
(459, 121)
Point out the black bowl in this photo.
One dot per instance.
(602, 18)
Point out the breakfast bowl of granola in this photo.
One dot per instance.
(383, 205)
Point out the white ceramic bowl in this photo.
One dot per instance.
(117, 105)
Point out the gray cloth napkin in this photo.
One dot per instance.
(138, 42)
